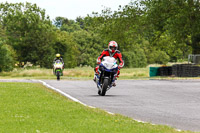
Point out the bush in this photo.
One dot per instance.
(135, 59)
(7, 58)
(47, 59)
(158, 56)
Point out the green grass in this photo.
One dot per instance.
(134, 73)
(75, 73)
(32, 108)
(82, 73)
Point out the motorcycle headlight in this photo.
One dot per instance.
(114, 71)
(101, 68)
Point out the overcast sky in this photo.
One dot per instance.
(73, 8)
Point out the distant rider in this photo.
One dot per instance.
(58, 57)
(112, 52)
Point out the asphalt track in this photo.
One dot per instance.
(175, 103)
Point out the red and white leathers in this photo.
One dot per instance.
(117, 55)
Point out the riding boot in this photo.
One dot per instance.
(95, 77)
(113, 84)
(113, 81)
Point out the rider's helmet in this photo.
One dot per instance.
(57, 55)
(112, 46)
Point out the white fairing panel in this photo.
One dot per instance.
(109, 62)
(58, 64)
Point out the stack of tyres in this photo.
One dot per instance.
(175, 70)
(185, 70)
(169, 70)
(161, 71)
(190, 70)
(165, 71)
(195, 71)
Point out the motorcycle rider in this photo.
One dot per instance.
(112, 52)
(58, 57)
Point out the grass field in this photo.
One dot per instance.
(82, 73)
(75, 73)
(32, 108)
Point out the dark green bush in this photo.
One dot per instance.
(135, 58)
(7, 58)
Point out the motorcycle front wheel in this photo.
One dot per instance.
(104, 86)
(58, 75)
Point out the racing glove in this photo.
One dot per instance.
(120, 65)
(98, 61)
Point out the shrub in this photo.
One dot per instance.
(135, 59)
(7, 58)
(158, 56)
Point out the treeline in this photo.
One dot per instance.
(147, 31)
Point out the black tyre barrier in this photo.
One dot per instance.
(165, 71)
(185, 70)
(179, 70)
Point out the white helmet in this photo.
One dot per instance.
(112, 46)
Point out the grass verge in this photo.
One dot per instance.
(31, 107)
(81, 73)
(75, 73)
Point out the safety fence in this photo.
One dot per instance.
(177, 70)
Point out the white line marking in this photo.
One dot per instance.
(110, 113)
(63, 93)
(70, 97)
(91, 107)
(179, 130)
(140, 121)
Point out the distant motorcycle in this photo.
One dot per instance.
(107, 71)
(58, 69)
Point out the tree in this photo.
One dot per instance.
(29, 32)
(180, 18)
(60, 21)
(67, 47)
(66, 25)
(89, 45)
(70, 27)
